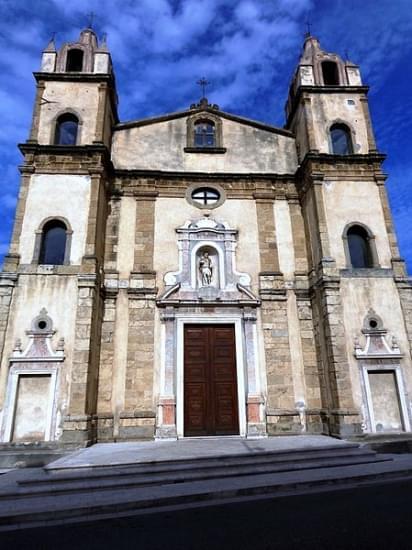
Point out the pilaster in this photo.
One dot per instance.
(80, 423)
(166, 408)
(368, 124)
(137, 421)
(7, 284)
(298, 235)
(34, 131)
(11, 260)
(144, 233)
(269, 256)
(103, 90)
(398, 264)
(95, 236)
(308, 117)
(107, 363)
(344, 419)
(256, 413)
(405, 295)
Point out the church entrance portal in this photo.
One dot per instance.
(210, 382)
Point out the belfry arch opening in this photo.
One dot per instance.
(74, 63)
(330, 73)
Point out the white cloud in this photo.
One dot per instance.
(246, 48)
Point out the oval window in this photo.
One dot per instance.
(205, 196)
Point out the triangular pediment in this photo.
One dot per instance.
(206, 110)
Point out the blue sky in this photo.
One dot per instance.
(248, 49)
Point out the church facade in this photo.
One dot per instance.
(201, 274)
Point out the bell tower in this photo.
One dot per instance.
(343, 199)
(56, 256)
(326, 94)
(75, 84)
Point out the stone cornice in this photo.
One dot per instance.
(203, 176)
(75, 77)
(75, 151)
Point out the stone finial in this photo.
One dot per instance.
(51, 46)
(103, 44)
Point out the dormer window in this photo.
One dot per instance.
(205, 134)
(330, 73)
(74, 63)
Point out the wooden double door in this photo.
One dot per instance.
(210, 382)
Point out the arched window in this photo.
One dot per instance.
(66, 130)
(53, 243)
(341, 140)
(359, 247)
(74, 61)
(205, 134)
(330, 73)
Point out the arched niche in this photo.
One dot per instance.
(216, 261)
(207, 267)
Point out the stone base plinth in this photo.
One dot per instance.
(137, 425)
(79, 430)
(105, 427)
(166, 432)
(345, 424)
(166, 428)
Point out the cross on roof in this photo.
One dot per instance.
(203, 83)
(91, 17)
(309, 25)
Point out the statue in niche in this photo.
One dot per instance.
(206, 269)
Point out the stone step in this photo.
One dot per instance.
(198, 464)
(85, 483)
(54, 509)
(202, 462)
(207, 460)
(98, 479)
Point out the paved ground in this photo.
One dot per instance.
(109, 454)
(378, 517)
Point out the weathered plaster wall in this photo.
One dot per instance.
(330, 108)
(358, 296)
(160, 146)
(58, 294)
(351, 201)
(80, 98)
(57, 195)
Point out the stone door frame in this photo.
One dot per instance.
(10, 406)
(181, 321)
(385, 367)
